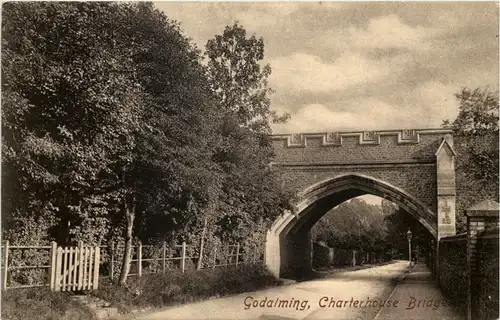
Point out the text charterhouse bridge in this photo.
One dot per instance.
(412, 168)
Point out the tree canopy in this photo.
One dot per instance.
(356, 224)
(353, 224)
(476, 142)
(252, 196)
(113, 128)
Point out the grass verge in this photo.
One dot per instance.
(41, 303)
(161, 290)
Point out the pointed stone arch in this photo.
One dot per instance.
(365, 184)
(289, 234)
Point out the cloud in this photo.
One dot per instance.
(361, 66)
(434, 102)
(427, 106)
(305, 72)
(389, 32)
(381, 33)
(259, 15)
(371, 199)
(365, 115)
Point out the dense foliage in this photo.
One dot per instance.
(356, 224)
(113, 129)
(476, 143)
(353, 224)
(240, 87)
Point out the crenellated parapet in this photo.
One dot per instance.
(333, 139)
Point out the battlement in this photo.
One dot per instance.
(328, 139)
(384, 146)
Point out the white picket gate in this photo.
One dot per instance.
(75, 268)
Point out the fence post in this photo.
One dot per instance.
(183, 261)
(163, 256)
(72, 254)
(53, 260)
(97, 256)
(64, 268)
(112, 261)
(5, 265)
(81, 258)
(139, 259)
(237, 253)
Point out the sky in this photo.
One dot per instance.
(347, 66)
(339, 66)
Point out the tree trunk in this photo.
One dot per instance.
(127, 255)
(202, 243)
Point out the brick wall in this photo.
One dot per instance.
(485, 285)
(453, 270)
(308, 159)
(351, 151)
(417, 180)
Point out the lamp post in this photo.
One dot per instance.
(408, 235)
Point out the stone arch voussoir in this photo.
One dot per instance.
(362, 182)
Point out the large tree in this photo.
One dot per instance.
(252, 195)
(176, 151)
(477, 124)
(106, 116)
(476, 142)
(112, 128)
(238, 79)
(478, 112)
(70, 106)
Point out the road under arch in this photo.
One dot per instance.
(413, 169)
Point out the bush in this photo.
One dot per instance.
(174, 287)
(41, 303)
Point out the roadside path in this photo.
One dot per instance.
(424, 300)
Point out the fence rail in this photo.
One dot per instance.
(79, 268)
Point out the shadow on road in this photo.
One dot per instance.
(346, 273)
(420, 273)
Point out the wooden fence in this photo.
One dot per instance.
(8, 269)
(76, 268)
(232, 257)
(79, 268)
(69, 268)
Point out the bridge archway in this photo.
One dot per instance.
(414, 170)
(288, 241)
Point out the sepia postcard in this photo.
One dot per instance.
(250, 160)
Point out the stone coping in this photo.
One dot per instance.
(380, 132)
(404, 136)
(485, 205)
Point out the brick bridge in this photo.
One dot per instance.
(412, 168)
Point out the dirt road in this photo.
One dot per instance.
(352, 295)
